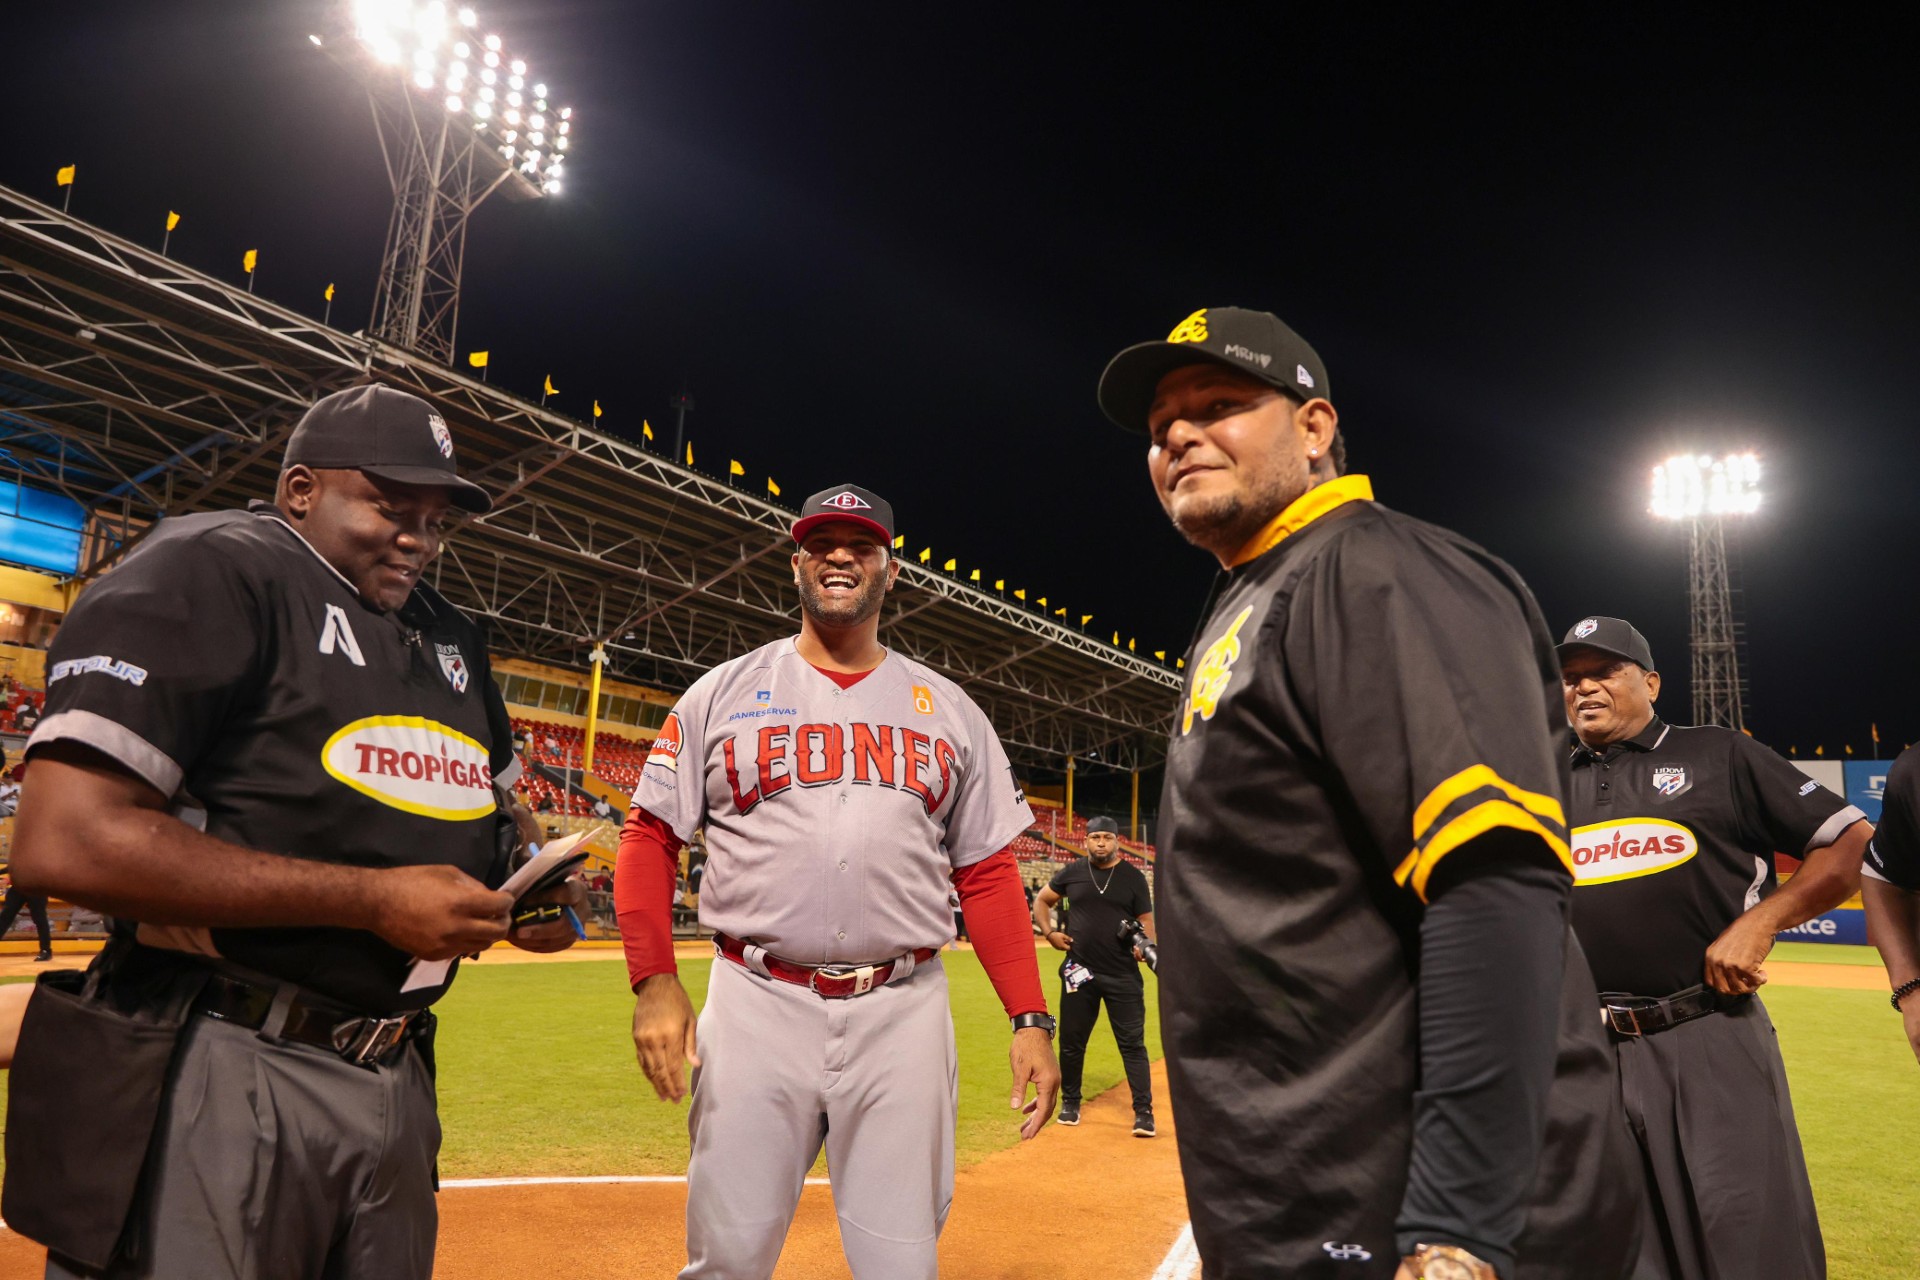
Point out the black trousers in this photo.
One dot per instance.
(1127, 1012)
(36, 905)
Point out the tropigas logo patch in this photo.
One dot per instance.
(1607, 851)
(413, 764)
(1192, 329)
(666, 747)
(1213, 673)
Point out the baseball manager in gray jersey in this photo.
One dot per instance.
(844, 790)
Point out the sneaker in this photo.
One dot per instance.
(1143, 1125)
(1069, 1113)
(43, 957)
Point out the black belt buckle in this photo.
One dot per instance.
(364, 1041)
(861, 974)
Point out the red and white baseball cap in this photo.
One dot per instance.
(846, 502)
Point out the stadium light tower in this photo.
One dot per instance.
(460, 117)
(1705, 492)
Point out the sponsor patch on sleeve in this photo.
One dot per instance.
(666, 747)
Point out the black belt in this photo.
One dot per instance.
(361, 1039)
(1632, 1015)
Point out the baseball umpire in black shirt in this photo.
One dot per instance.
(278, 759)
(1102, 891)
(1381, 1045)
(1890, 886)
(1676, 903)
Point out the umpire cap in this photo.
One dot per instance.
(1255, 343)
(386, 433)
(1616, 636)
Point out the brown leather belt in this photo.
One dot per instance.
(361, 1039)
(828, 981)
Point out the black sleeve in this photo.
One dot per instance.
(1061, 879)
(1426, 671)
(1492, 955)
(1786, 810)
(1893, 855)
(153, 657)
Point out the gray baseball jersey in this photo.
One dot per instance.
(834, 817)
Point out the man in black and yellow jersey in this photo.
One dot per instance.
(1380, 1036)
(1676, 903)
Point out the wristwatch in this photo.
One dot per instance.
(1044, 1021)
(1446, 1262)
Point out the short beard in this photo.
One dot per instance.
(864, 605)
(1225, 524)
(1104, 859)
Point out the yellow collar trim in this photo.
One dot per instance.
(1303, 511)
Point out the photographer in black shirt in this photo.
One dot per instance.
(1102, 890)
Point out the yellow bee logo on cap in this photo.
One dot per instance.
(1214, 672)
(1192, 329)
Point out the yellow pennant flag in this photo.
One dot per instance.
(999, 584)
(173, 220)
(63, 177)
(329, 293)
(772, 488)
(689, 453)
(899, 541)
(1849, 748)
(550, 388)
(951, 565)
(1043, 602)
(1130, 648)
(1020, 594)
(1085, 618)
(1116, 639)
(478, 359)
(646, 428)
(251, 260)
(926, 554)
(1819, 751)
(734, 468)
(1160, 654)
(1875, 730)
(596, 409)
(1061, 612)
(975, 577)
(1180, 664)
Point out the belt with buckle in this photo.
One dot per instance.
(828, 981)
(361, 1039)
(1631, 1015)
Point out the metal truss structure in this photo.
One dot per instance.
(141, 389)
(1718, 688)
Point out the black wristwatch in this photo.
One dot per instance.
(1044, 1021)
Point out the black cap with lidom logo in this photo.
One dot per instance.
(1255, 343)
(385, 433)
(846, 502)
(1616, 636)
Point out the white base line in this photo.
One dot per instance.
(1183, 1260)
(449, 1184)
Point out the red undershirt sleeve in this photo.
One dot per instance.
(643, 879)
(1002, 930)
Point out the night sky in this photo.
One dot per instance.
(896, 245)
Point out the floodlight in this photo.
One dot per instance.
(491, 58)
(460, 50)
(518, 67)
(560, 142)
(539, 91)
(481, 110)
(537, 138)
(536, 122)
(516, 82)
(453, 102)
(493, 43)
(425, 79)
(566, 113)
(316, 41)
(1695, 486)
(467, 18)
(513, 99)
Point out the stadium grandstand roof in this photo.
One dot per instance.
(141, 388)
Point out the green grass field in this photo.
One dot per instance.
(537, 1077)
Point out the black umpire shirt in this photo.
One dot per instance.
(1893, 855)
(1368, 694)
(1674, 832)
(230, 666)
(1097, 901)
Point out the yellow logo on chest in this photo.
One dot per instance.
(1213, 673)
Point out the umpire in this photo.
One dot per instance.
(277, 758)
(1675, 901)
(1102, 891)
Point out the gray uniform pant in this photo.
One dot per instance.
(1726, 1181)
(278, 1161)
(781, 1072)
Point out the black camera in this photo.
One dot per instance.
(1133, 934)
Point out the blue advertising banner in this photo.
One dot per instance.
(1841, 925)
(1867, 784)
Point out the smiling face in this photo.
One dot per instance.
(1609, 699)
(380, 534)
(844, 573)
(1230, 453)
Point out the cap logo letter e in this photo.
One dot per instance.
(1192, 329)
(846, 500)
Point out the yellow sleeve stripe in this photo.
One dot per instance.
(1471, 779)
(1418, 866)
